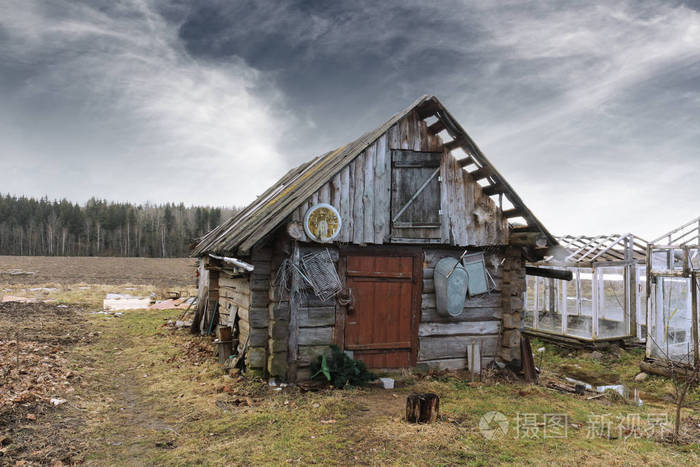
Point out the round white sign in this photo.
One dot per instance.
(322, 223)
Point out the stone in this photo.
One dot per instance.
(641, 377)
(596, 355)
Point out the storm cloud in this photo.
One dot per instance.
(590, 110)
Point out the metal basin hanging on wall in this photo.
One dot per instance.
(451, 281)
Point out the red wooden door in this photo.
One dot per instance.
(380, 323)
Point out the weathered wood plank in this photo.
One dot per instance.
(358, 207)
(473, 328)
(308, 353)
(416, 134)
(456, 363)
(256, 317)
(234, 297)
(434, 348)
(258, 336)
(394, 134)
(240, 284)
(470, 231)
(293, 334)
(316, 336)
(404, 136)
(382, 192)
(335, 191)
(368, 193)
(324, 193)
(459, 209)
(468, 314)
(316, 316)
(345, 213)
(479, 301)
(444, 201)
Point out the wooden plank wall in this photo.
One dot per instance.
(247, 296)
(361, 192)
(469, 217)
(443, 341)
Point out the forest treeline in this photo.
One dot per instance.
(42, 227)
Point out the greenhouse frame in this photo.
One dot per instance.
(673, 262)
(604, 300)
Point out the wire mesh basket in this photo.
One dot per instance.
(319, 272)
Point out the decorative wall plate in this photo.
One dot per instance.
(322, 223)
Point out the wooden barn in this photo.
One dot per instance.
(404, 247)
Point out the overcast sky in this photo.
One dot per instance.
(590, 110)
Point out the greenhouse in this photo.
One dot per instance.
(674, 265)
(603, 298)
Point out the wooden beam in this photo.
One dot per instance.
(455, 143)
(481, 173)
(560, 274)
(466, 161)
(436, 127)
(493, 189)
(516, 212)
(534, 239)
(426, 109)
(525, 228)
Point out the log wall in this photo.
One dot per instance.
(444, 340)
(301, 327)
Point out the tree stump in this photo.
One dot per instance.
(422, 408)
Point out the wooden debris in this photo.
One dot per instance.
(528, 362)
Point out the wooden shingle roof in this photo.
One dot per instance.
(240, 233)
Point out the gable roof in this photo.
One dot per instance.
(245, 229)
(601, 248)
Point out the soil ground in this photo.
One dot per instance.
(157, 272)
(138, 392)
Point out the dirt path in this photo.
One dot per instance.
(91, 370)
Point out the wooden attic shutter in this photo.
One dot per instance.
(415, 196)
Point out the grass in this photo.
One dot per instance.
(153, 395)
(149, 400)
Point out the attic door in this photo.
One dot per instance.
(415, 196)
